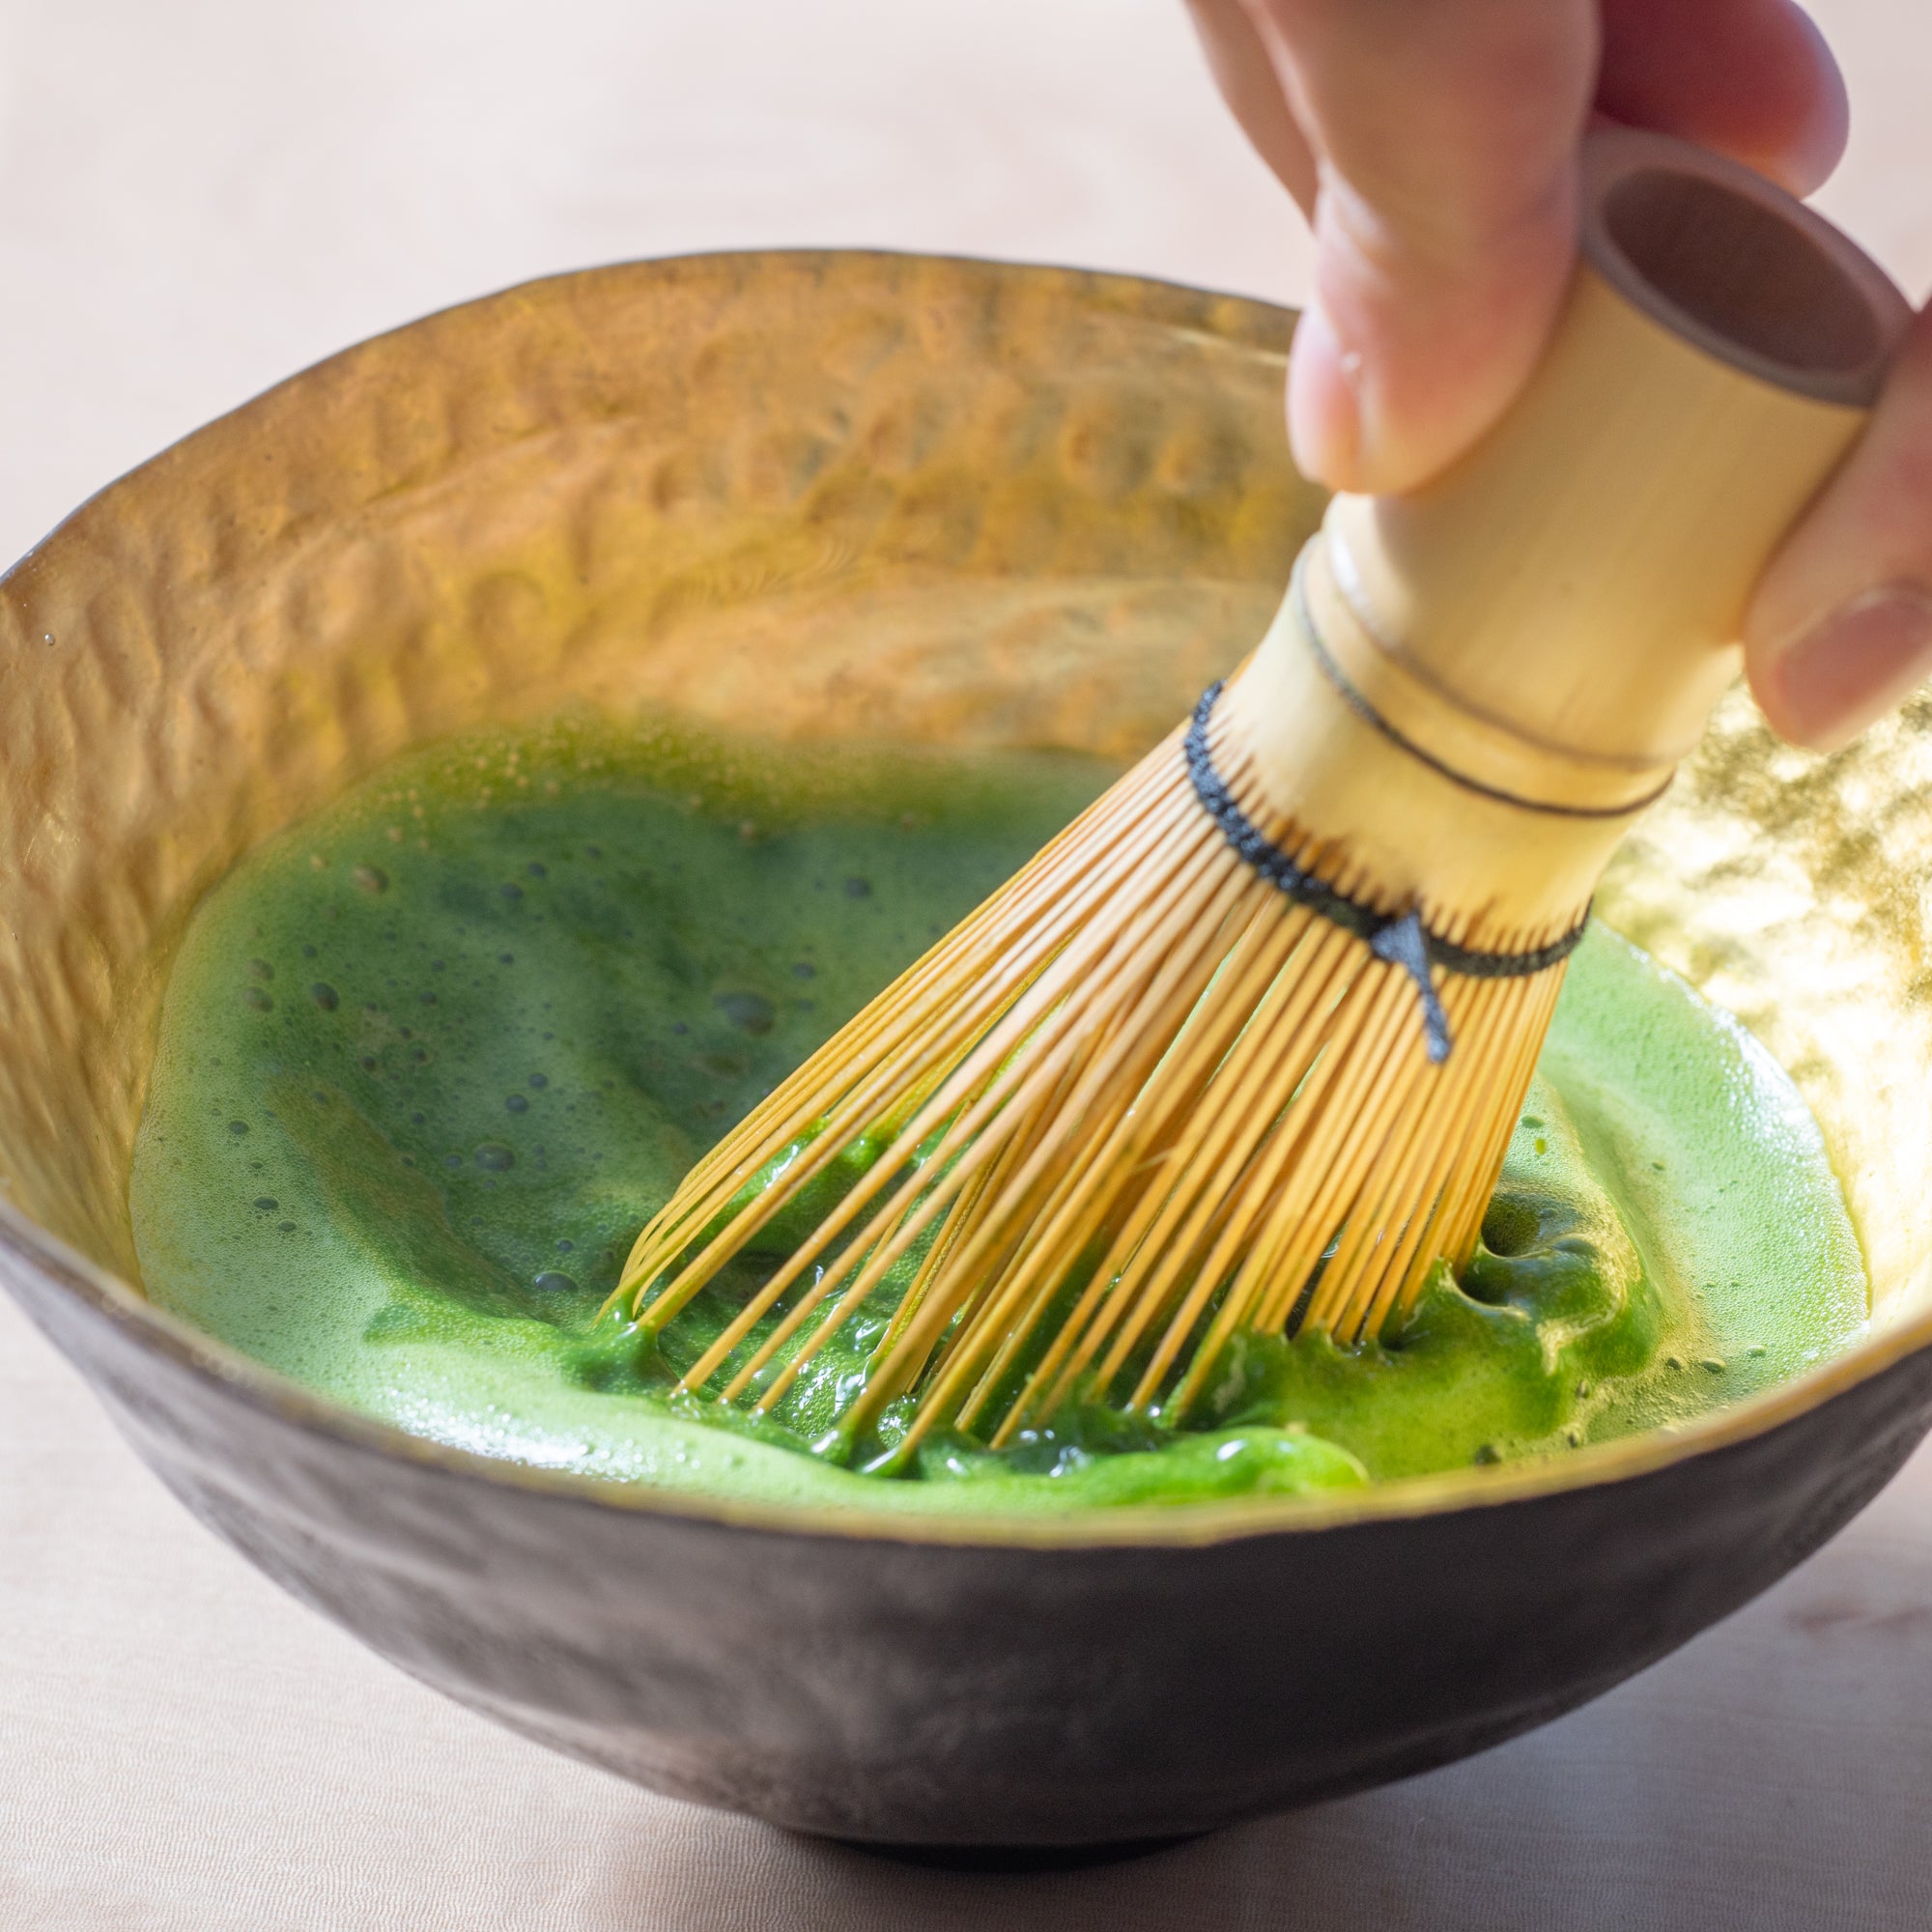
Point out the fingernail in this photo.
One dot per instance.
(1853, 666)
(1324, 409)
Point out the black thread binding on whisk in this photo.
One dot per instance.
(1400, 939)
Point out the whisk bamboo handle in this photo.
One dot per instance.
(1545, 626)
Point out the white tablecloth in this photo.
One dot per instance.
(197, 196)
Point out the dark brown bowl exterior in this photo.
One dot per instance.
(828, 496)
(902, 1691)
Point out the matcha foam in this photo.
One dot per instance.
(430, 1060)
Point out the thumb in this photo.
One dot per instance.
(1445, 135)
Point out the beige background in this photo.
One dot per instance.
(196, 197)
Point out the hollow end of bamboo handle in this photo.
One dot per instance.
(1579, 580)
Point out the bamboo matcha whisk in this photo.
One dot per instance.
(1242, 1049)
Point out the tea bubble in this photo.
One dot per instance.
(751, 1010)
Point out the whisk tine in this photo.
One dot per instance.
(1121, 1186)
(1439, 1129)
(939, 1000)
(1194, 921)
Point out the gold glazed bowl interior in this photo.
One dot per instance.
(808, 496)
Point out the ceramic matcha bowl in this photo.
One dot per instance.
(826, 497)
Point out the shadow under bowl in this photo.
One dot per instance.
(826, 497)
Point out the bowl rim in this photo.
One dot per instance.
(108, 1297)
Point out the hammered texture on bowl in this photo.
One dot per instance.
(1795, 891)
(799, 494)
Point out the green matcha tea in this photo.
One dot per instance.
(429, 1060)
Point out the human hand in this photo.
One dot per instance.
(1432, 145)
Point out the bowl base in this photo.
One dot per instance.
(1020, 1859)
